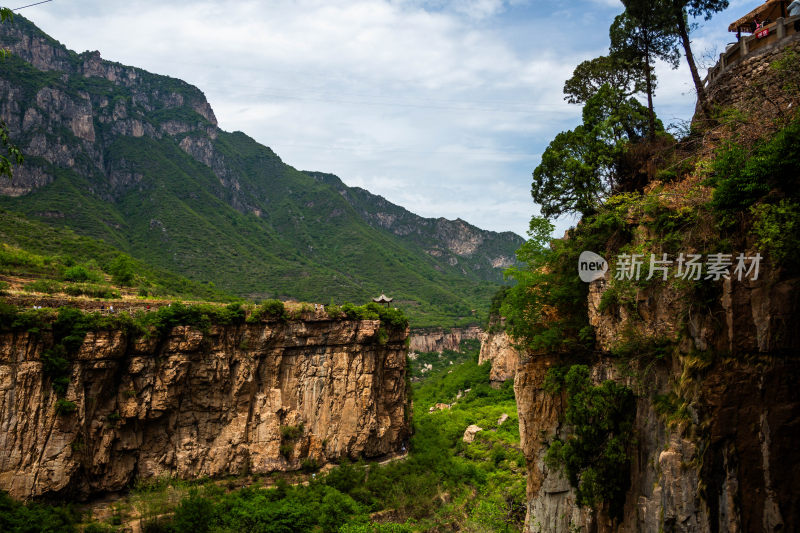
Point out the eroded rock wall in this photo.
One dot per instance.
(438, 339)
(496, 346)
(199, 404)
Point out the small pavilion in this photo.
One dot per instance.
(383, 299)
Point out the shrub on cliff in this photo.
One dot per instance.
(742, 177)
(594, 455)
(270, 309)
(389, 316)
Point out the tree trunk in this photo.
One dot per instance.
(651, 119)
(687, 48)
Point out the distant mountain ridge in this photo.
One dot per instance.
(137, 159)
(455, 243)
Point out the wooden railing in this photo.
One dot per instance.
(778, 33)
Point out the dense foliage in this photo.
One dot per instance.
(16, 517)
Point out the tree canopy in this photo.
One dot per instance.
(579, 167)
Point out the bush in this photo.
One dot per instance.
(92, 290)
(291, 432)
(594, 455)
(79, 273)
(741, 178)
(65, 407)
(16, 517)
(286, 449)
(270, 309)
(46, 286)
(309, 465)
(777, 229)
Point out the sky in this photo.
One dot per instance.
(441, 106)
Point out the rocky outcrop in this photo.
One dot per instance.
(496, 347)
(439, 339)
(729, 468)
(455, 245)
(234, 399)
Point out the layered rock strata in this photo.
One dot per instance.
(439, 339)
(235, 399)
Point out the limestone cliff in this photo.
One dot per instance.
(439, 339)
(234, 399)
(723, 456)
(496, 346)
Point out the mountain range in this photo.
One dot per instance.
(137, 160)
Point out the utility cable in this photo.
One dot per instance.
(31, 5)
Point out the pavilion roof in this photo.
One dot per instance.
(769, 10)
(382, 299)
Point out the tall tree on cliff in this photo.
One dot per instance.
(677, 13)
(639, 42)
(622, 73)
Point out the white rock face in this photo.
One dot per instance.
(471, 431)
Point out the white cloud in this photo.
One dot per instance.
(442, 106)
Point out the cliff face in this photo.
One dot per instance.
(723, 457)
(497, 348)
(733, 469)
(236, 399)
(438, 340)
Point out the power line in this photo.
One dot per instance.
(31, 5)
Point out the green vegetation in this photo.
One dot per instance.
(417, 368)
(444, 484)
(742, 177)
(777, 229)
(16, 517)
(32, 249)
(270, 232)
(595, 453)
(547, 308)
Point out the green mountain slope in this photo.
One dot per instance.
(136, 159)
